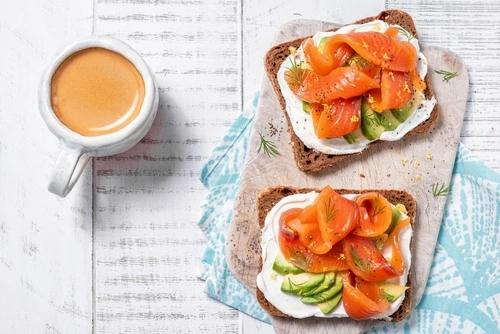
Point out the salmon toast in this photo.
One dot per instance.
(376, 61)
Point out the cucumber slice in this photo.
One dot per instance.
(327, 283)
(388, 121)
(321, 45)
(392, 291)
(370, 122)
(354, 136)
(306, 107)
(325, 295)
(403, 113)
(282, 266)
(328, 306)
(396, 214)
(301, 283)
(380, 240)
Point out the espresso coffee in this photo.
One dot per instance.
(96, 91)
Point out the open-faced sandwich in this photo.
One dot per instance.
(335, 253)
(352, 87)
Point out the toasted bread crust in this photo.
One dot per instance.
(268, 198)
(310, 160)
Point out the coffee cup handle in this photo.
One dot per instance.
(69, 166)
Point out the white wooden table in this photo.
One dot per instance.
(118, 255)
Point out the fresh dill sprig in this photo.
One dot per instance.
(330, 211)
(376, 207)
(295, 74)
(447, 76)
(407, 34)
(268, 147)
(357, 262)
(299, 259)
(440, 190)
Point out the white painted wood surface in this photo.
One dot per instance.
(45, 242)
(147, 200)
(207, 56)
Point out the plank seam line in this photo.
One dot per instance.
(242, 83)
(94, 276)
(93, 214)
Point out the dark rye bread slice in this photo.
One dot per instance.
(268, 198)
(310, 160)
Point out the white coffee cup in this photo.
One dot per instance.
(77, 149)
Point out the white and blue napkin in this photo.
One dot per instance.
(463, 290)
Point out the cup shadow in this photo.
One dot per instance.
(152, 158)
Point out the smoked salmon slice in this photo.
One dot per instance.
(338, 118)
(417, 81)
(300, 256)
(337, 217)
(392, 32)
(310, 236)
(366, 261)
(358, 63)
(379, 49)
(358, 305)
(397, 259)
(342, 82)
(395, 91)
(375, 214)
(324, 63)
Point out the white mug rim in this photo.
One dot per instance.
(92, 144)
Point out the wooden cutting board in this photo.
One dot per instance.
(394, 165)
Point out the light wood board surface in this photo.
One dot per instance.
(206, 56)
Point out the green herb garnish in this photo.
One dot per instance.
(447, 76)
(330, 211)
(267, 146)
(296, 73)
(376, 207)
(357, 262)
(299, 259)
(440, 190)
(407, 34)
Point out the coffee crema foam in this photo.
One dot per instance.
(96, 91)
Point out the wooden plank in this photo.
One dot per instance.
(472, 31)
(147, 200)
(45, 241)
(486, 149)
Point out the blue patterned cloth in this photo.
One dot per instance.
(463, 290)
(220, 175)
